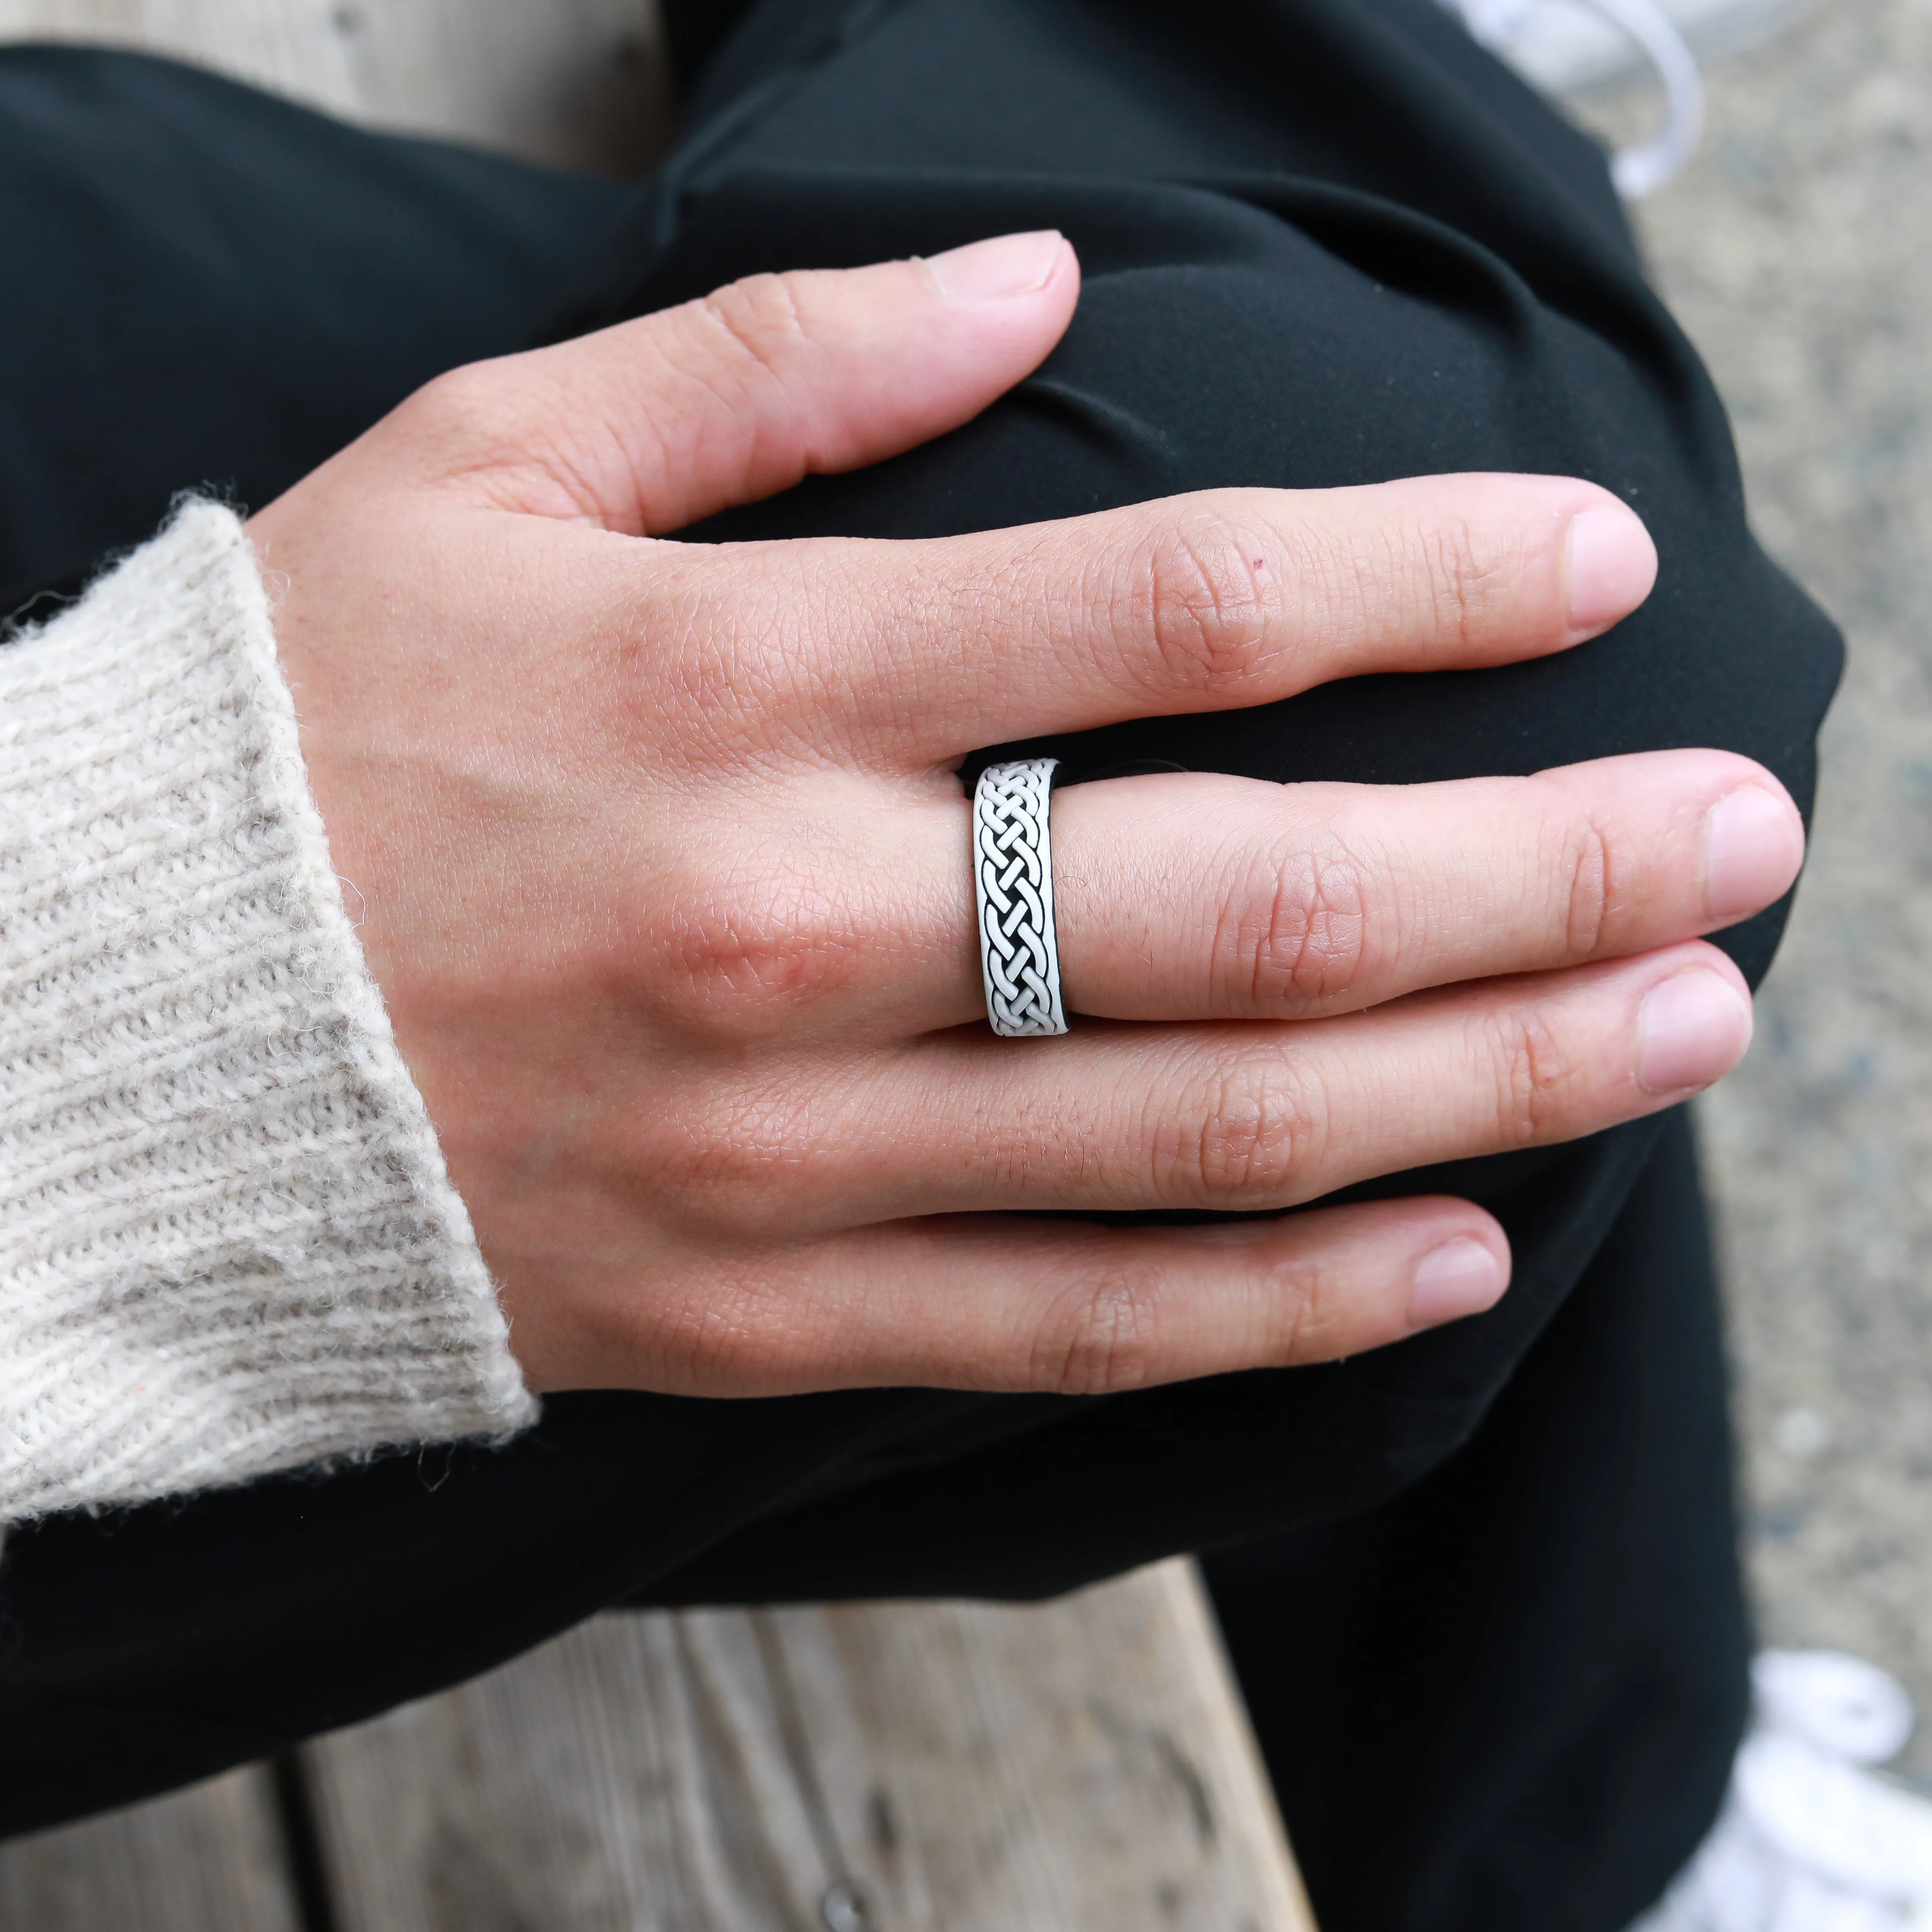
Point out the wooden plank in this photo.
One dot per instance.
(574, 82)
(210, 1859)
(1083, 1766)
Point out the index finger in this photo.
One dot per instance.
(1215, 601)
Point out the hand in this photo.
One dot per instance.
(662, 865)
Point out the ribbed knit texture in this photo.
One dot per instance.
(228, 1243)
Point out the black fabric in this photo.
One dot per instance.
(694, 31)
(207, 288)
(1568, 1582)
(1326, 241)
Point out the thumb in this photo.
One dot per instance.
(649, 426)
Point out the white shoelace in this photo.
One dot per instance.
(1640, 170)
(1809, 1839)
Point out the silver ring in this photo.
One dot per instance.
(1012, 882)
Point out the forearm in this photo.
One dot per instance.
(228, 1244)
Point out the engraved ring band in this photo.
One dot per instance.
(1013, 885)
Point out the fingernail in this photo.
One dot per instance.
(1612, 565)
(1692, 1029)
(1461, 1277)
(1753, 845)
(1008, 265)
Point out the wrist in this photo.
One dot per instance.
(230, 1244)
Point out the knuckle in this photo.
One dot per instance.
(1587, 916)
(1211, 596)
(1463, 576)
(1536, 1076)
(1308, 1301)
(481, 427)
(1245, 1137)
(1098, 1337)
(740, 961)
(757, 321)
(1297, 934)
(470, 413)
(460, 394)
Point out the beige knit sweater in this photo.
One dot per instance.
(228, 1244)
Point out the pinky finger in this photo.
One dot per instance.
(1011, 1302)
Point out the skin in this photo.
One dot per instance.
(661, 860)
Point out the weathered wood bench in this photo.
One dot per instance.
(1083, 1767)
(889, 1768)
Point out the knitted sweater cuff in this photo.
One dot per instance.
(228, 1244)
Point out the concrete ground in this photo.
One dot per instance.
(1798, 252)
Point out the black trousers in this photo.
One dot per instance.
(1481, 1587)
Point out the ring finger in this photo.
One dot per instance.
(1188, 897)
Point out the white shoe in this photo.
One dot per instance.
(1809, 1841)
(1562, 46)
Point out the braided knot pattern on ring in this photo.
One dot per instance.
(1013, 876)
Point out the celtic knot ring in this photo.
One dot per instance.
(1012, 882)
